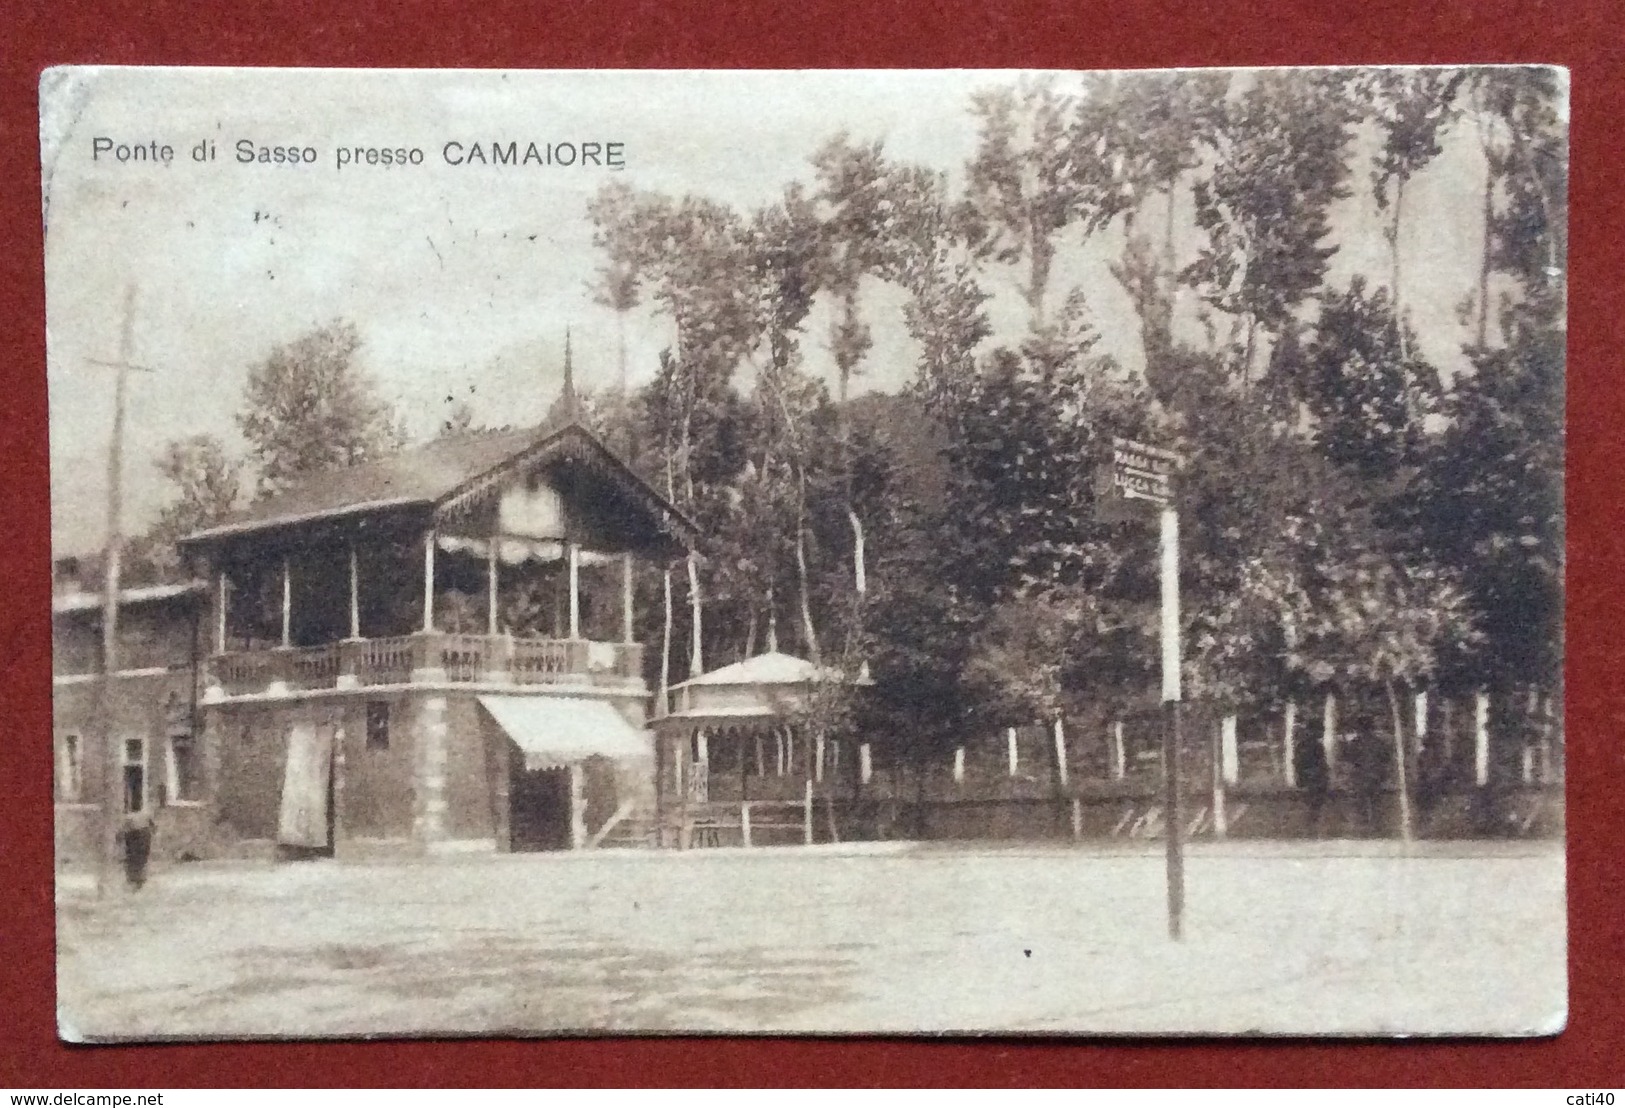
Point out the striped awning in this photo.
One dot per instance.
(561, 730)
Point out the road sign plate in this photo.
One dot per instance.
(1111, 506)
(1140, 471)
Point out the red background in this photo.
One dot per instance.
(1585, 35)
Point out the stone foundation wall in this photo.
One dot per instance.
(437, 781)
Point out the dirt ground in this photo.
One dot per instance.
(1342, 938)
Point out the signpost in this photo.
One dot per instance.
(1141, 479)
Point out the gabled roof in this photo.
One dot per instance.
(771, 686)
(418, 475)
(438, 473)
(764, 670)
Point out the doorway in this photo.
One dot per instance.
(135, 775)
(306, 819)
(539, 808)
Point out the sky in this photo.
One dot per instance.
(462, 280)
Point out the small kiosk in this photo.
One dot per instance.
(737, 762)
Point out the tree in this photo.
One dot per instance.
(1389, 623)
(207, 482)
(1029, 181)
(1019, 665)
(1152, 128)
(1493, 490)
(1329, 598)
(856, 195)
(1519, 117)
(788, 261)
(616, 284)
(946, 313)
(1413, 109)
(1013, 532)
(854, 201)
(693, 257)
(1370, 394)
(1493, 486)
(308, 407)
(1280, 164)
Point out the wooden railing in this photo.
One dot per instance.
(314, 667)
(251, 671)
(545, 661)
(464, 657)
(741, 824)
(382, 661)
(402, 659)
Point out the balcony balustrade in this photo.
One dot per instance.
(429, 657)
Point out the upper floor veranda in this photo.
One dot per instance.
(496, 558)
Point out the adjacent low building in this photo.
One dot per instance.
(153, 757)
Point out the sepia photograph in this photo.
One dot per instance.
(859, 552)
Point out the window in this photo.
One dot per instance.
(377, 725)
(69, 765)
(181, 768)
(135, 775)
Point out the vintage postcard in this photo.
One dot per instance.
(807, 552)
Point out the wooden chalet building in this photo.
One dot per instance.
(434, 650)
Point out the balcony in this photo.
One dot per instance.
(433, 657)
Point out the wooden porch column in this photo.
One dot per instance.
(221, 594)
(355, 595)
(578, 808)
(626, 598)
(428, 581)
(491, 588)
(680, 752)
(287, 602)
(575, 588)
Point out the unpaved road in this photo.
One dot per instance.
(1288, 938)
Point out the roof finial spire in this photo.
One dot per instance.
(571, 405)
(567, 408)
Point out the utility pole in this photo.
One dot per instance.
(112, 553)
